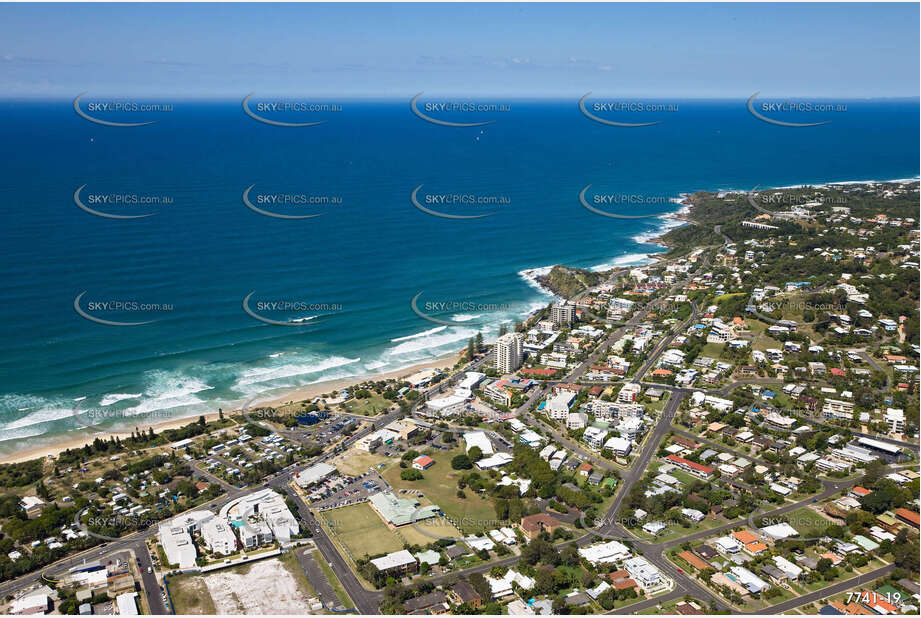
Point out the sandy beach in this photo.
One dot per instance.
(300, 394)
(305, 393)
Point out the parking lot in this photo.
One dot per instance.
(345, 490)
(326, 432)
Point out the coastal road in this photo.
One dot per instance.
(719, 230)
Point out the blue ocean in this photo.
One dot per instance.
(344, 278)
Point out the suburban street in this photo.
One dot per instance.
(367, 601)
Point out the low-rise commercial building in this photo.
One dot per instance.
(397, 563)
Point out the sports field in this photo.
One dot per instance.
(361, 530)
(473, 513)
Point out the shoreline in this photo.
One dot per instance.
(686, 206)
(68, 441)
(303, 393)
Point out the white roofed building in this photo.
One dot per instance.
(494, 461)
(219, 537)
(557, 407)
(480, 440)
(264, 505)
(177, 545)
(127, 604)
(605, 553)
(780, 531)
(399, 561)
(316, 473)
(619, 446)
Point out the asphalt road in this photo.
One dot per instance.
(648, 603)
(657, 351)
(652, 552)
(854, 584)
(638, 469)
(149, 580)
(367, 602)
(318, 580)
(717, 445)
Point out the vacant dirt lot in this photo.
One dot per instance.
(356, 461)
(264, 587)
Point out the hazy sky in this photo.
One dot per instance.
(397, 50)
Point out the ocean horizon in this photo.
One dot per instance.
(347, 274)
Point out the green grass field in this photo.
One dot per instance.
(373, 405)
(361, 530)
(677, 531)
(439, 485)
(658, 406)
(685, 478)
(761, 341)
(807, 522)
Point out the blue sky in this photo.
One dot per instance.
(522, 50)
